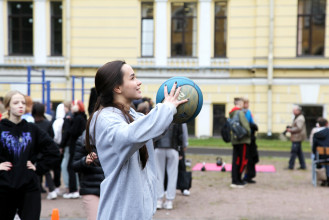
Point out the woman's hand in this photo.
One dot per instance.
(6, 166)
(172, 97)
(30, 166)
(91, 157)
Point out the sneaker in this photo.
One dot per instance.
(58, 191)
(250, 181)
(52, 195)
(168, 205)
(186, 192)
(238, 185)
(301, 168)
(159, 204)
(74, 195)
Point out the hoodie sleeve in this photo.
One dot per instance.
(114, 133)
(79, 160)
(48, 149)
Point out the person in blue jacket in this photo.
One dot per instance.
(124, 142)
(252, 152)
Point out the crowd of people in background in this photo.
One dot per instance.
(53, 146)
(70, 171)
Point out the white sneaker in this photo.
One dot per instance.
(52, 195)
(238, 185)
(58, 191)
(186, 192)
(168, 205)
(159, 204)
(73, 195)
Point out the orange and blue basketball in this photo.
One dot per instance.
(189, 110)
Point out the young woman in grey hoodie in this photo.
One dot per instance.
(124, 141)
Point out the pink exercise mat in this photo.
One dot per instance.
(228, 167)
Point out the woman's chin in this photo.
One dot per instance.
(139, 97)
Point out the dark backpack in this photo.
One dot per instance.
(226, 131)
(238, 130)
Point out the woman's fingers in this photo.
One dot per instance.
(30, 165)
(182, 101)
(6, 166)
(173, 96)
(165, 91)
(173, 89)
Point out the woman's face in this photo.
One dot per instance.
(17, 105)
(131, 86)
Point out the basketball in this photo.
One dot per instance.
(189, 110)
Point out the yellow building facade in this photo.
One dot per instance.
(275, 52)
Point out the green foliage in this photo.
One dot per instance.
(263, 144)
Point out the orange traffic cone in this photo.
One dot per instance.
(55, 214)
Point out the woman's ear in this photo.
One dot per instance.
(117, 89)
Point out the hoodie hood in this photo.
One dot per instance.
(234, 109)
(60, 112)
(6, 122)
(322, 134)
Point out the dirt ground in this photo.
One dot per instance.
(284, 195)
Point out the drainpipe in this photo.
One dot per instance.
(68, 48)
(270, 70)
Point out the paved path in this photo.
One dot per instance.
(226, 151)
(73, 208)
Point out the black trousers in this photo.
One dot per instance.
(71, 172)
(253, 158)
(296, 151)
(26, 204)
(239, 162)
(182, 165)
(57, 172)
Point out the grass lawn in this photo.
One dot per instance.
(263, 144)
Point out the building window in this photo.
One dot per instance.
(56, 29)
(20, 25)
(147, 29)
(183, 29)
(220, 28)
(311, 27)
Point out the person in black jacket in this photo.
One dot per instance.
(21, 144)
(90, 175)
(78, 125)
(38, 113)
(321, 138)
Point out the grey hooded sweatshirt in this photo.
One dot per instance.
(128, 191)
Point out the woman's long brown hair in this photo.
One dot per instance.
(107, 78)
